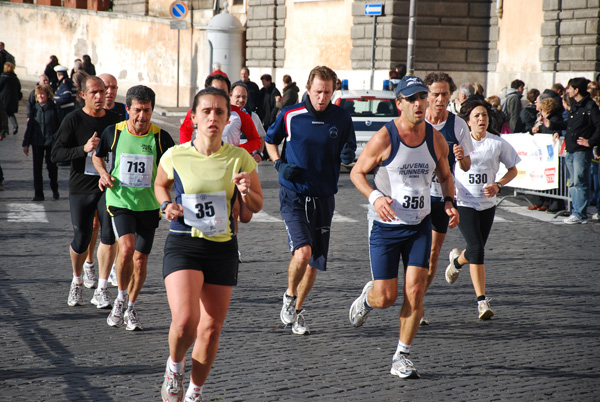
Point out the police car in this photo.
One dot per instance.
(370, 110)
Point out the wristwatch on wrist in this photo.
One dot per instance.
(499, 185)
(448, 198)
(163, 206)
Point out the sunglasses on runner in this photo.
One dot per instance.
(413, 98)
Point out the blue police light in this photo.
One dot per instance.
(345, 85)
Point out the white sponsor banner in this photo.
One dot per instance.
(538, 169)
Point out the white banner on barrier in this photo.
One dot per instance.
(538, 169)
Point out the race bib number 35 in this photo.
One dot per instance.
(206, 212)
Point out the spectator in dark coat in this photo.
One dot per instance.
(512, 105)
(529, 112)
(40, 133)
(252, 104)
(290, 94)
(87, 65)
(267, 109)
(10, 93)
(556, 92)
(50, 73)
(552, 122)
(32, 99)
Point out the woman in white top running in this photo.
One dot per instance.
(476, 191)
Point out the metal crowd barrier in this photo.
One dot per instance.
(561, 193)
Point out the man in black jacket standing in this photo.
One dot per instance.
(583, 133)
(267, 111)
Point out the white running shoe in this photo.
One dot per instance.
(403, 368)
(359, 313)
(485, 312)
(194, 397)
(75, 295)
(573, 219)
(115, 318)
(90, 280)
(596, 216)
(101, 298)
(131, 319)
(112, 278)
(299, 327)
(452, 272)
(424, 319)
(172, 387)
(288, 310)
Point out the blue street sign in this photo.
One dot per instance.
(373, 9)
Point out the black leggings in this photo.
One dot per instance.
(475, 227)
(83, 208)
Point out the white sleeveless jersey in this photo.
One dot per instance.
(406, 176)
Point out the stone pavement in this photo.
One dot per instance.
(542, 345)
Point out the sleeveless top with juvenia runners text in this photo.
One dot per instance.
(406, 177)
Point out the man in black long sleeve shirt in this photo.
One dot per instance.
(583, 133)
(78, 137)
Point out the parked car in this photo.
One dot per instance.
(370, 110)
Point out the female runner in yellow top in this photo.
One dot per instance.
(201, 254)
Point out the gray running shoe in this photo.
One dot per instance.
(101, 298)
(75, 295)
(112, 278)
(358, 311)
(452, 272)
(115, 318)
(299, 327)
(485, 312)
(403, 368)
(288, 310)
(90, 280)
(132, 320)
(172, 387)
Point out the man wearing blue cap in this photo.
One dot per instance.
(405, 153)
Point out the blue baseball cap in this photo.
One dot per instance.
(410, 85)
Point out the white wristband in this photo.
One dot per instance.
(375, 194)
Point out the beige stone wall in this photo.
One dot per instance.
(519, 43)
(135, 49)
(318, 33)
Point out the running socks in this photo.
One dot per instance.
(480, 298)
(456, 264)
(194, 389)
(176, 367)
(122, 294)
(102, 283)
(77, 280)
(402, 349)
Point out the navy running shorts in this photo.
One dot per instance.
(308, 222)
(388, 243)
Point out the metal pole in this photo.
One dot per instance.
(410, 51)
(178, 31)
(373, 51)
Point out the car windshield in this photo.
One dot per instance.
(366, 106)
